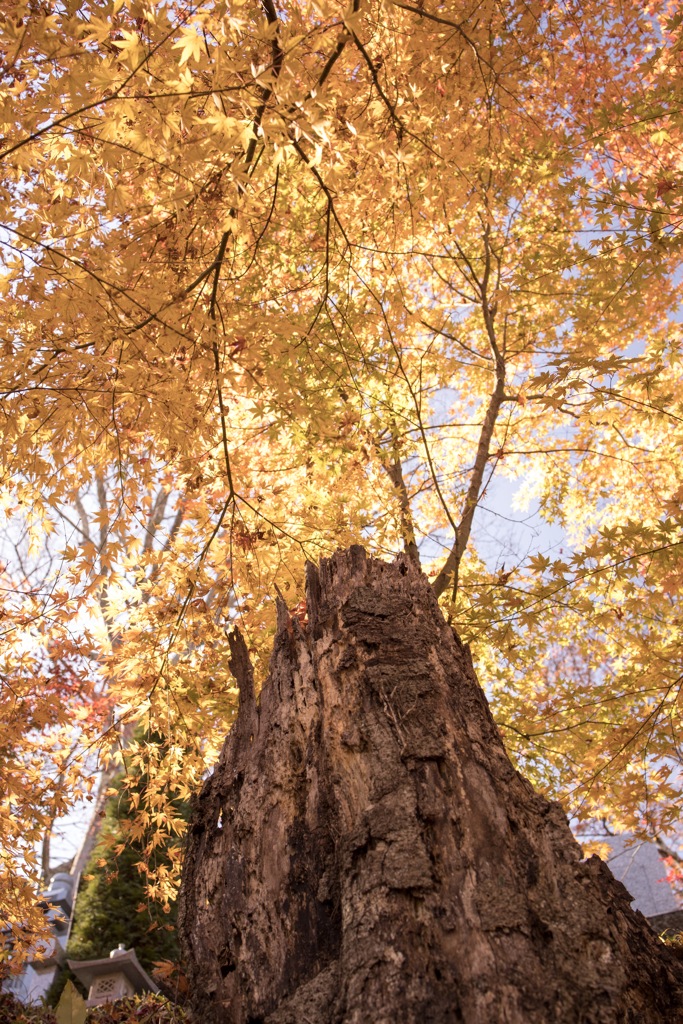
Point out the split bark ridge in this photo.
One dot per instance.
(365, 853)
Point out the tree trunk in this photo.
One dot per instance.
(365, 853)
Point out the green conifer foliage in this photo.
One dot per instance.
(112, 905)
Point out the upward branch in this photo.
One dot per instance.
(394, 471)
(450, 570)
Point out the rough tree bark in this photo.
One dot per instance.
(365, 853)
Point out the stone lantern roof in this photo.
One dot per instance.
(114, 977)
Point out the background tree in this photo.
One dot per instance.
(113, 906)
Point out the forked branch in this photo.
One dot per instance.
(450, 570)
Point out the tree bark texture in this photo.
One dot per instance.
(365, 852)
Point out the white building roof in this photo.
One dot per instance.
(639, 866)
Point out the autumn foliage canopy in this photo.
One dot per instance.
(278, 276)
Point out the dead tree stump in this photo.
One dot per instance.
(365, 853)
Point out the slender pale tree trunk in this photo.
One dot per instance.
(365, 853)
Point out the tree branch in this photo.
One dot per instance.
(450, 570)
(394, 471)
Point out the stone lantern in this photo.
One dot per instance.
(115, 977)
